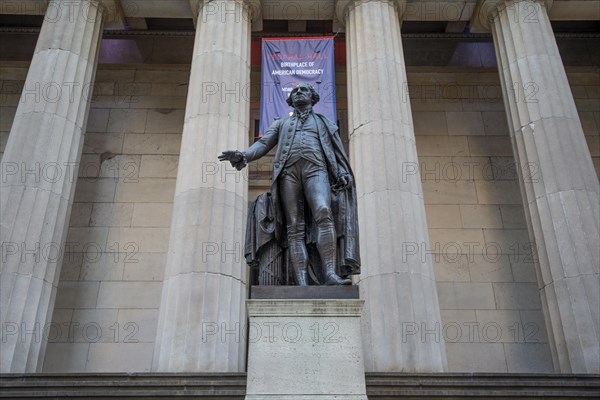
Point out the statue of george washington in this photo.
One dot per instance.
(312, 192)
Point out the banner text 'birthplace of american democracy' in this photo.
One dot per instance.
(286, 63)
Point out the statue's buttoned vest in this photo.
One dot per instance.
(287, 131)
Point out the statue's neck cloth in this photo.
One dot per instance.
(302, 116)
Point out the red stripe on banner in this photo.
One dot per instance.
(255, 53)
(339, 45)
(339, 53)
(298, 38)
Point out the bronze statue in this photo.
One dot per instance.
(312, 193)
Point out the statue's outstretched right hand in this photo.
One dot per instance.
(235, 157)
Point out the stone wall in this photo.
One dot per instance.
(585, 86)
(107, 303)
(478, 238)
(483, 259)
(109, 293)
(123, 204)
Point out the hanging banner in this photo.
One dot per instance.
(286, 62)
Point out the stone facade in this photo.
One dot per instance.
(120, 221)
(486, 308)
(489, 303)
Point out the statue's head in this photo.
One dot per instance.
(304, 87)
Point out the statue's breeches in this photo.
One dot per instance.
(302, 185)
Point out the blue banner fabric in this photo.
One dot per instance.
(286, 62)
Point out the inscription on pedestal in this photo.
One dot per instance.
(301, 349)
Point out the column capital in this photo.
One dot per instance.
(343, 6)
(114, 17)
(254, 7)
(109, 11)
(487, 10)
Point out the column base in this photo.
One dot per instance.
(305, 349)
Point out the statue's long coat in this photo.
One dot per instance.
(343, 203)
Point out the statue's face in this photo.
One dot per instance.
(301, 95)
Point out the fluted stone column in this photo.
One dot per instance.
(558, 182)
(397, 282)
(202, 312)
(39, 172)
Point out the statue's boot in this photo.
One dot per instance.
(301, 276)
(331, 278)
(298, 256)
(326, 244)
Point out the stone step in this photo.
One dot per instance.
(380, 386)
(124, 386)
(384, 386)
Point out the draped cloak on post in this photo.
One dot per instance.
(343, 203)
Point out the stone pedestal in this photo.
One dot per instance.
(558, 182)
(40, 167)
(305, 349)
(396, 282)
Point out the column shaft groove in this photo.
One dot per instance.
(205, 279)
(399, 292)
(47, 132)
(562, 199)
